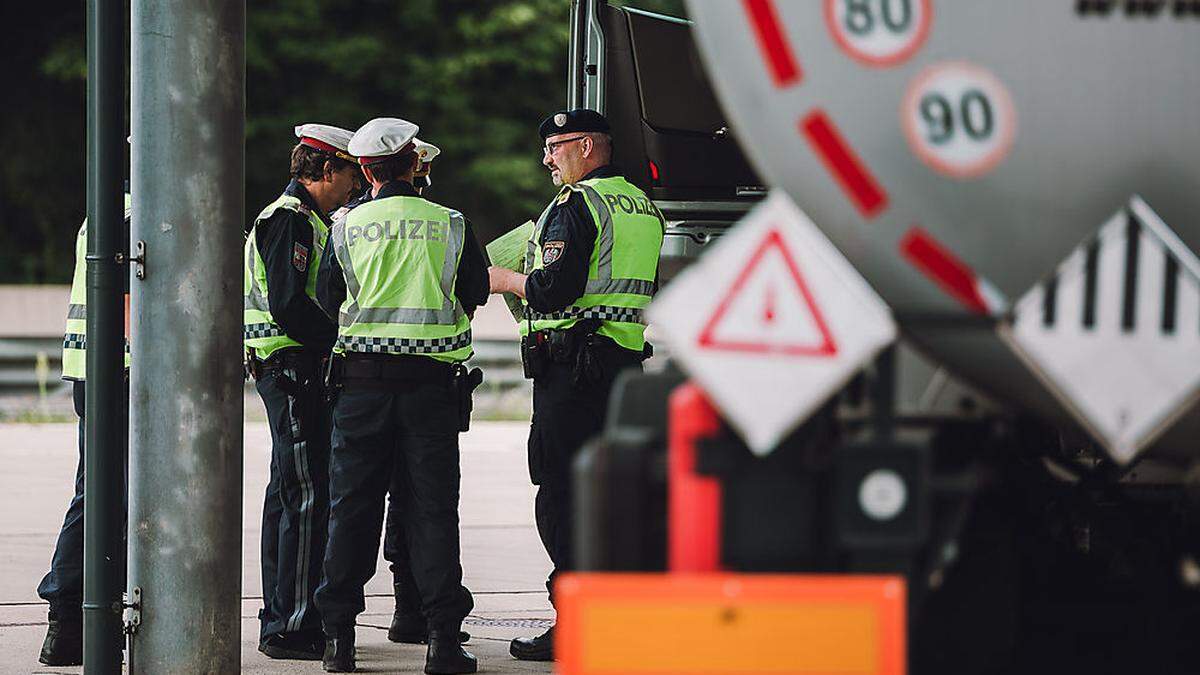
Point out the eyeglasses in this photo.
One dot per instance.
(552, 148)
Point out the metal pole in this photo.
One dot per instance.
(595, 77)
(104, 417)
(575, 50)
(185, 518)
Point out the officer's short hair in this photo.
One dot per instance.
(309, 162)
(393, 168)
(602, 141)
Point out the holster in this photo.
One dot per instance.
(250, 366)
(294, 370)
(589, 367)
(563, 344)
(331, 375)
(535, 354)
(574, 346)
(465, 383)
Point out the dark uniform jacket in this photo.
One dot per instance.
(278, 237)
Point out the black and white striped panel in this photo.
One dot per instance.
(1125, 279)
(1115, 332)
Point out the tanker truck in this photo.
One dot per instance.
(1019, 183)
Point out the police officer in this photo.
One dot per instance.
(426, 152)
(593, 264)
(287, 335)
(408, 624)
(403, 275)
(62, 586)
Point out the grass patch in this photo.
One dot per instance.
(34, 416)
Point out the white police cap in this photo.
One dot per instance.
(331, 139)
(426, 151)
(382, 138)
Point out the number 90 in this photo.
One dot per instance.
(974, 112)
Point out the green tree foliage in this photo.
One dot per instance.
(43, 141)
(477, 76)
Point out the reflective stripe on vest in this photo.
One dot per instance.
(75, 341)
(74, 353)
(626, 314)
(79, 341)
(399, 256)
(260, 331)
(622, 267)
(386, 345)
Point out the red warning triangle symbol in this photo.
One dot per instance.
(768, 309)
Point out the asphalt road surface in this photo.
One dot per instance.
(503, 559)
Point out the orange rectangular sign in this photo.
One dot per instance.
(683, 624)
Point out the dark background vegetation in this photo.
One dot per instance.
(476, 75)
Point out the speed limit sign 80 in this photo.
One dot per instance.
(959, 119)
(879, 33)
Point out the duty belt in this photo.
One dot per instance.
(295, 359)
(410, 368)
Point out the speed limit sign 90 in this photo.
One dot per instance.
(879, 33)
(959, 119)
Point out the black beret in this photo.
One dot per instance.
(568, 121)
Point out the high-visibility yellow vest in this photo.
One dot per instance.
(74, 354)
(400, 257)
(623, 265)
(259, 329)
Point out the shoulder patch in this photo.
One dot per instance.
(552, 250)
(563, 197)
(300, 257)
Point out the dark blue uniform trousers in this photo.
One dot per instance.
(566, 414)
(395, 548)
(402, 433)
(62, 586)
(296, 507)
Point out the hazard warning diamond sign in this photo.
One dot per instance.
(771, 322)
(1113, 331)
(751, 318)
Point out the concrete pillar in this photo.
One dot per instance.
(185, 507)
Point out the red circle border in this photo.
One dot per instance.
(913, 138)
(874, 61)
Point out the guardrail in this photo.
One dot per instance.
(31, 324)
(30, 365)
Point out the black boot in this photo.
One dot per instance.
(540, 648)
(339, 650)
(63, 645)
(408, 624)
(410, 628)
(300, 646)
(446, 655)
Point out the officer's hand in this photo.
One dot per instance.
(504, 280)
